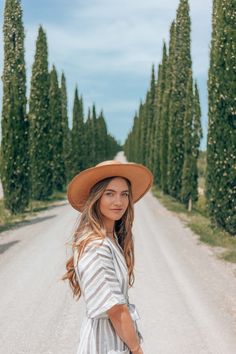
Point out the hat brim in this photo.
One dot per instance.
(78, 189)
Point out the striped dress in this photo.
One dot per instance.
(103, 277)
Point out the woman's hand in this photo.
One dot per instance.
(137, 350)
(124, 326)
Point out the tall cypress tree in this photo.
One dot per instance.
(67, 146)
(221, 141)
(14, 146)
(145, 127)
(78, 134)
(162, 120)
(211, 141)
(102, 136)
(187, 175)
(165, 128)
(59, 177)
(94, 142)
(157, 132)
(150, 142)
(136, 138)
(89, 141)
(142, 132)
(40, 123)
(182, 65)
(196, 140)
(82, 136)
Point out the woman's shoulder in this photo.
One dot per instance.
(97, 243)
(96, 246)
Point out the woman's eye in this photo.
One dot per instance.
(110, 193)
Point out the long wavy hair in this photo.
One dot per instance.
(91, 227)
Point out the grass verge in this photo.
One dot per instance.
(8, 220)
(199, 222)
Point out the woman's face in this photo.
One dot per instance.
(115, 199)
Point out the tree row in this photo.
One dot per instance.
(40, 153)
(167, 131)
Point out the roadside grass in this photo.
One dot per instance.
(8, 220)
(199, 222)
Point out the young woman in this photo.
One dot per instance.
(101, 268)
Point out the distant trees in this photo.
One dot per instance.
(167, 130)
(39, 151)
(168, 126)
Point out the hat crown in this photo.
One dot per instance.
(108, 162)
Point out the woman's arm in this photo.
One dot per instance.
(122, 322)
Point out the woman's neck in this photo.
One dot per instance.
(110, 234)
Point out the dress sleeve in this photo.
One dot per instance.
(99, 284)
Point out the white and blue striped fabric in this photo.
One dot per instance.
(103, 277)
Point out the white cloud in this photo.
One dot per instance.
(124, 35)
(102, 39)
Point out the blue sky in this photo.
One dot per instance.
(107, 47)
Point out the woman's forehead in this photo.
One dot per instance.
(117, 183)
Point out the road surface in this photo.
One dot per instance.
(186, 298)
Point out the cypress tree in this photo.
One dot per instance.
(187, 175)
(197, 136)
(182, 65)
(58, 165)
(221, 141)
(165, 127)
(40, 123)
(102, 137)
(82, 140)
(150, 104)
(145, 128)
(95, 135)
(14, 145)
(89, 140)
(67, 146)
(136, 138)
(104, 129)
(78, 134)
(141, 132)
(157, 137)
(161, 120)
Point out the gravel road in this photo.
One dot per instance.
(185, 296)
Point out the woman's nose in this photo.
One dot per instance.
(118, 200)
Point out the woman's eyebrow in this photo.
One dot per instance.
(115, 191)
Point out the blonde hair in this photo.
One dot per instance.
(91, 228)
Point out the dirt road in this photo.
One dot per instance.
(186, 298)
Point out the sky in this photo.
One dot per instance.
(107, 48)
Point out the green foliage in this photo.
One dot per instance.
(165, 116)
(162, 123)
(192, 137)
(67, 143)
(150, 119)
(166, 132)
(40, 123)
(14, 145)
(100, 145)
(182, 65)
(58, 165)
(221, 140)
(78, 135)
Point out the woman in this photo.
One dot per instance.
(101, 268)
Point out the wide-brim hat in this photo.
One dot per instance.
(140, 177)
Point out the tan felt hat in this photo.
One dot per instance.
(78, 189)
